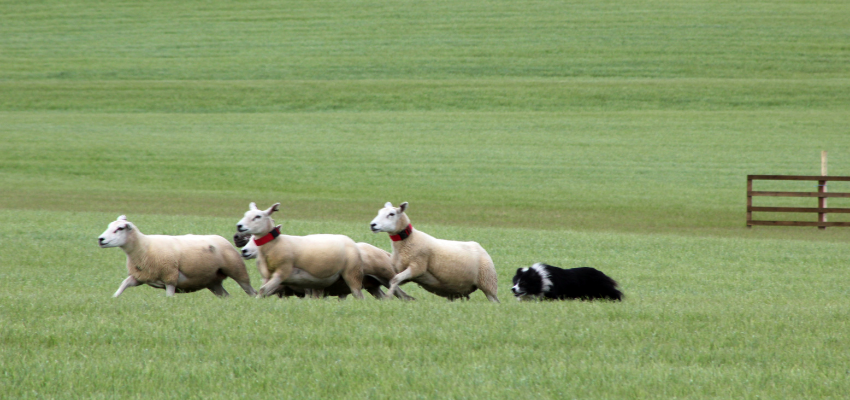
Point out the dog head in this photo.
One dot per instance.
(531, 282)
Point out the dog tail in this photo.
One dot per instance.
(607, 287)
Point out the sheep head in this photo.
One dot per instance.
(256, 221)
(390, 219)
(250, 250)
(241, 239)
(116, 234)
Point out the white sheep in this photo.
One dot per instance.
(378, 264)
(446, 268)
(323, 258)
(177, 263)
(377, 272)
(251, 251)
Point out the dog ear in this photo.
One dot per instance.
(518, 271)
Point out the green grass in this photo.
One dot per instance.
(627, 171)
(703, 318)
(176, 40)
(612, 134)
(478, 94)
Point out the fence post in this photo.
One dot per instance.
(749, 201)
(822, 188)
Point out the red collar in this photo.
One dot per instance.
(403, 234)
(268, 238)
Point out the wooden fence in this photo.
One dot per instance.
(822, 210)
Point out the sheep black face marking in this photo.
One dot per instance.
(240, 240)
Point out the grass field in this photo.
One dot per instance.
(616, 135)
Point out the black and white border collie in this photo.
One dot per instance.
(543, 281)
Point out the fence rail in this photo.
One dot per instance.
(822, 210)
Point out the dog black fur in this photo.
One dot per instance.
(548, 282)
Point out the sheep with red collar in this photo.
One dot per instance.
(176, 263)
(322, 258)
(446, 268)
(376, 264)
(250, 251)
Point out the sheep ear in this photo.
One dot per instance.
(122, 218)
(252, 206)
(273, 208)
(402, 207)
(388, 205)
(129, 227)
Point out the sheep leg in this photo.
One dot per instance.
(170, 290)
(264, 271)
(238, 273)
(269, 287)
(376, 292)
(402, 295)
(487, 278)
(247, 288)
(399, 293)
(397, 280)
(218, 289)
(355, 285)
(353, 277)
(129, 282)
(488, 285)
